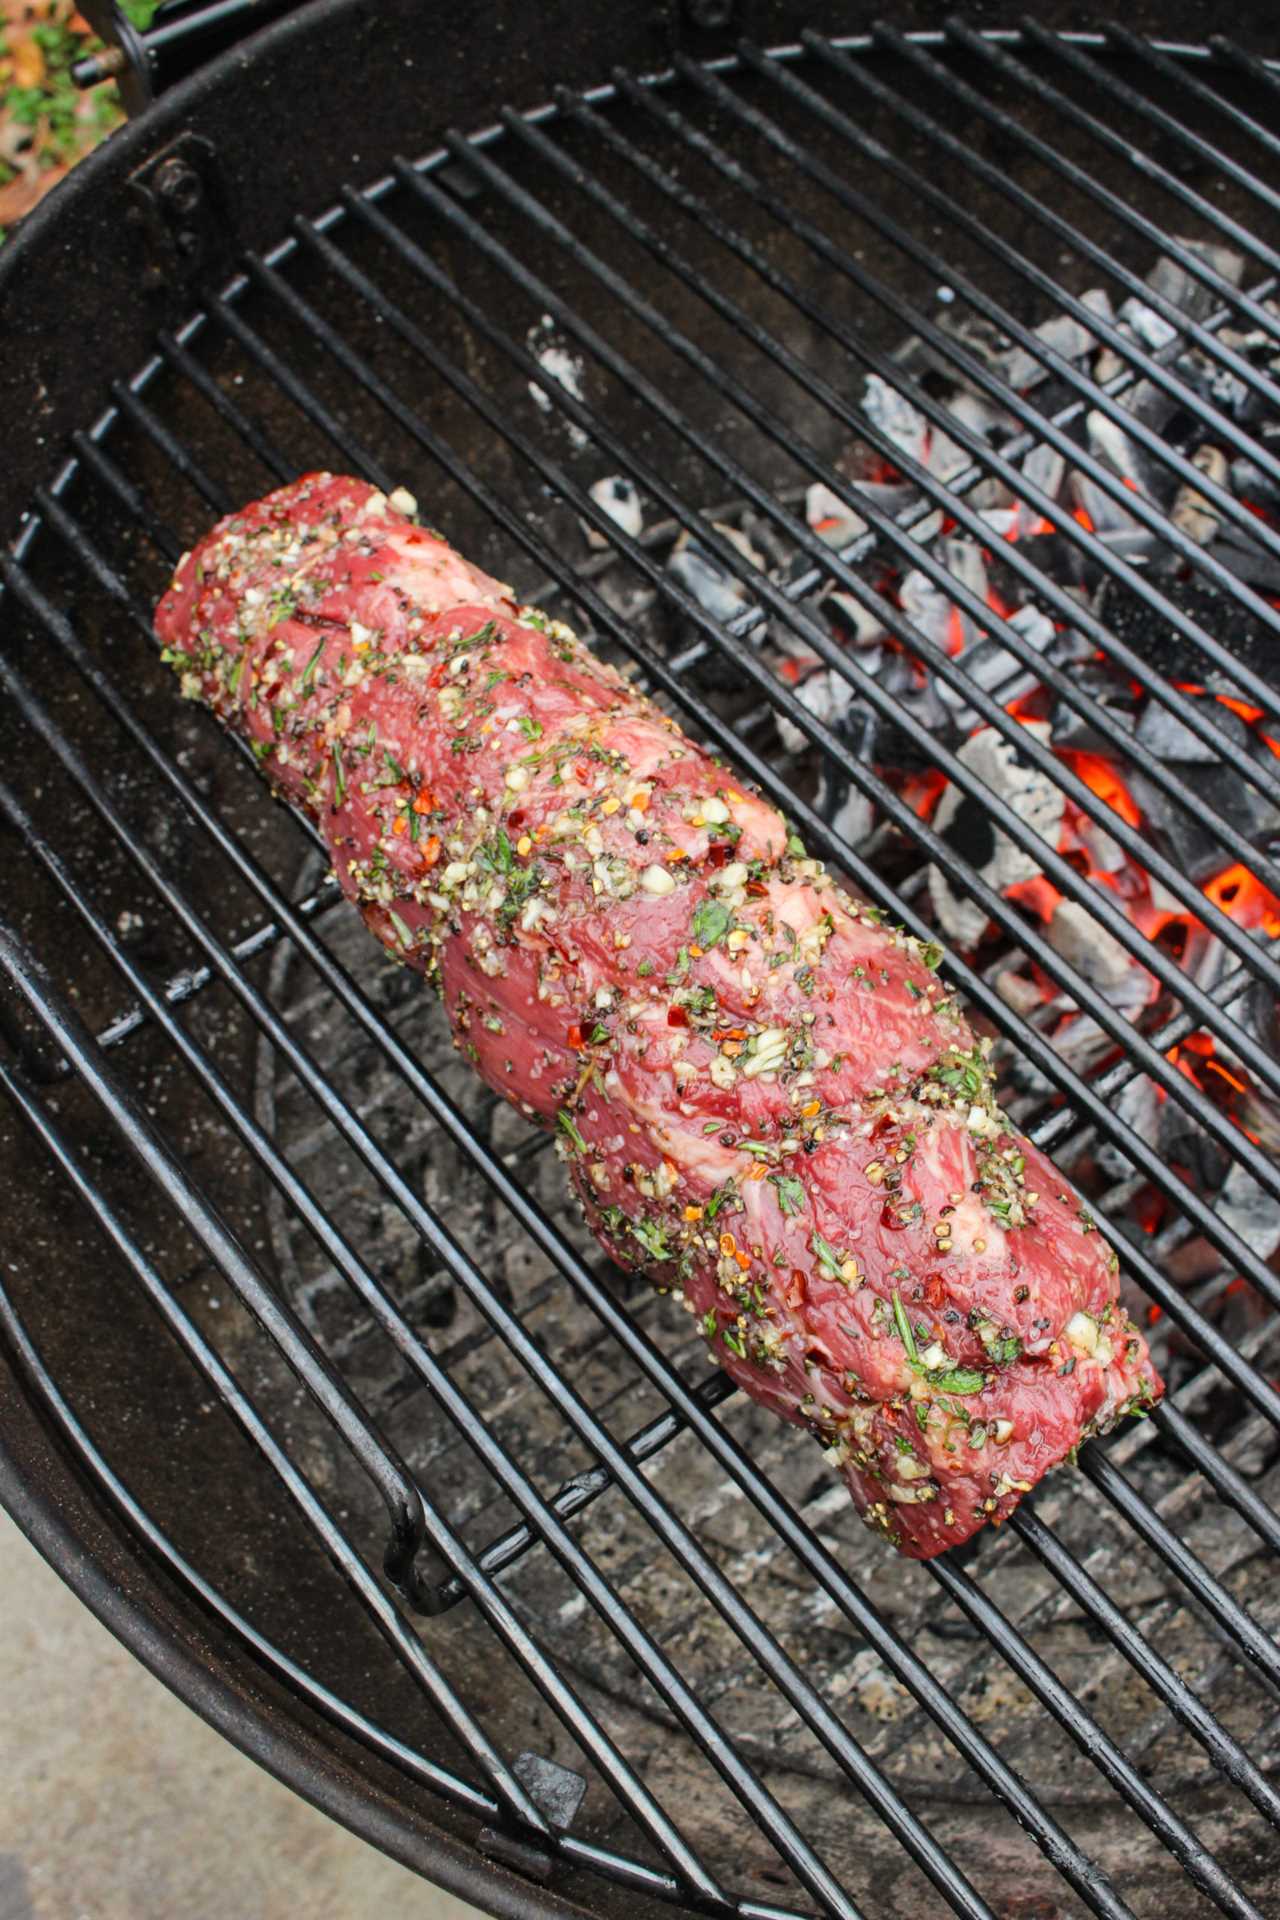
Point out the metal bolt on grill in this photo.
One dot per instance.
(919, 399)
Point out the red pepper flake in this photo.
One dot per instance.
(430, 850)
(757, 889)
(575, 1035)
(677, 1017)
(399, 824)
(516, 817)
(424, 801)
(797, 1289)
(718, 856)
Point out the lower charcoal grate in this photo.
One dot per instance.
(905, 412)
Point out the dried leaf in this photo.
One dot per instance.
(20, 195)
(28, 60)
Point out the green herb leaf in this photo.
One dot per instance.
(958, 1380)
(903, 1325)
(309, 671)
(790, 1191)
(530, 728)
(565, 1121)
(733, 1340)
(339, 777)
(827, 1255)
(652, 1237)
(710, 923)
(709, 1323)
(1005, 1352)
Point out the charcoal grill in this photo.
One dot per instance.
(309, 1386)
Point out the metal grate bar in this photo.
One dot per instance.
(1230, 1486)
(1249, 305)
(1116, 143)
(1242, 1635)
(159, 532)
(799, 532)
(1182, 1313)
(1159, 62)
(560, 1696)
(1057, 1847)
(1067, 1710)
(1226, 1753)
(953, 352)
(1153, 1062)
(942, 496)
(1127, 347)
(664, 1678)
(176, 451)
(676, 1537)
(273, 459)
(330, 1393)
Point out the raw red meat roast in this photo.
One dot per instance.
(766, 1098)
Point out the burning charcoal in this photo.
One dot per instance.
(844, 807)
(1137, 1107)
(928, 608)
(1164, 735)
(896, 418)
(946, 457)
(1098, 957)
(853, 624)
(837, 524)
(1044, 467)
(1106, 515)
(997, 671)
(1197, 517)
(968, 828)
(1019, 992)
(826, 696)
(1194, 848)
(1152, 328)
(1064, 334)
(718, 591)
(1182, 289)
(1251, 483)
(1250, 1212)
(1150, 634)
(1110, 443)
(1240, 556)
(620, 499)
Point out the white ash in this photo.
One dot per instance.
(897, 419)
(855, 625)
(717, 591)
(1045, 468)
(994, 669)
(1249, 1211)
(620, 499)
(1097, 956)
(560, 364)
(1113, 445)
(830, 518)
(1137, 1108)
(1062, 333)
(927, 607)
(826, 696)
(966, 826)
(947, 457)
(1193, 514)
(854, 816)
(1182, 289)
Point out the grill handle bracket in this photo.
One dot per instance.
(179, 206)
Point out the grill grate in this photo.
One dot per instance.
(483, 1443)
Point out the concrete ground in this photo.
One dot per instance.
(117, 1803)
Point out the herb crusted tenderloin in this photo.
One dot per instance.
(765, 1098)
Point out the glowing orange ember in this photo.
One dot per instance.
(1245, 900)
(1101, 776)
